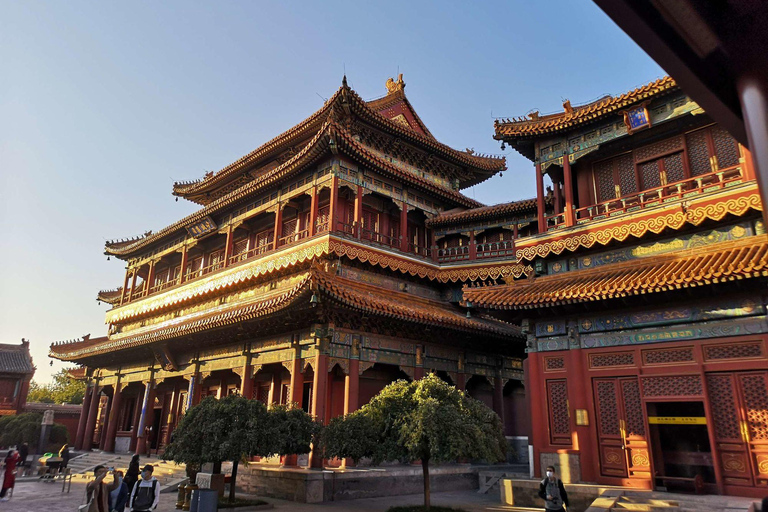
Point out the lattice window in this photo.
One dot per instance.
(604, 181)
(673, 165)
(659, 148)
(289, 228)
(322, 218)
(755, 392)
(608, 407)
(559, 421)
(681, 385)
(649, 174)
(722, 401)
(554, 363)
(216, 259)
(668, 356)
(725, 147)
(633, 407)
(698, 152)
(240, 247)
(612, 359)
(394, 228)
(493, 237)
(264, 238)
(627, 178)
(733, 351)
(162, 277)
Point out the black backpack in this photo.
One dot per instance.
(151, 498)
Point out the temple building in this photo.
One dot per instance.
(16, 372)
(645, 315)
(616, 321)
(320, 267)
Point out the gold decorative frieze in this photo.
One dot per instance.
(678, 215)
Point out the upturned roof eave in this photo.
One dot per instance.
(481, 164)
(310, 153)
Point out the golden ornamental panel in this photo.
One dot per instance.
(640, 227)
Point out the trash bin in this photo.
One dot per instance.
(194, 497)
(208, 500)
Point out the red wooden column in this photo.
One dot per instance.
(498, 395)
(313, 212)
(83, 417)
(334, 204)
(352, 387)
(93, 410)
(319, 394)
(358, 211)
(472, 246)
(135, 423)
(133, 285)
(125, 285)
(114, 415)
(228, 245)
(278, 226)
(404, 226)
(461, 377)
(184, 253)
(540, 199)
(297, 395)
(534, 391)
(558, 197)
(570, 211)
(246, 383)
(753, 96)
(748, 170)
(147, 415)
(578, 397)
(418, 370)
(150, 278)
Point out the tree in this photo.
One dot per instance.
(25, 428)
(427, 420)
(63, 389)
(235, 427)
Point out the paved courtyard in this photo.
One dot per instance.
(36, 496)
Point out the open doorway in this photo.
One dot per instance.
(682, 454)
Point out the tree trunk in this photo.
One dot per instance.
(425, 471)
(234, 481)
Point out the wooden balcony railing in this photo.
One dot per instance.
(496, 249)
(420, 250)
(293, 237)
(448, 254)
(370, 235)
(651, 197)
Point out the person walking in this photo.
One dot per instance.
(118, 498)
(146, 492)
(552, 491)
(97, 491)
(23, 453)
(9, 479)
(64, 454)
(132, 475)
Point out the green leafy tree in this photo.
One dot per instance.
(25, 428)
(427, 420)
(62, 390)
(235, 427)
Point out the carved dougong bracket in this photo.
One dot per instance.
(365, 365)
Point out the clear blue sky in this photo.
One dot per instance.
(103, 105)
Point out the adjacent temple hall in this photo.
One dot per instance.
(616, 321)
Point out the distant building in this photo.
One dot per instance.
(16, 371)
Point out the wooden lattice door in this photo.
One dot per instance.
(739, 404)
(623, 443)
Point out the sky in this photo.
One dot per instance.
(103, 105)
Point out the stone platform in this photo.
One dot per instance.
(316, 486)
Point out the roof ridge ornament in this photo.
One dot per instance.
(393, 87)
